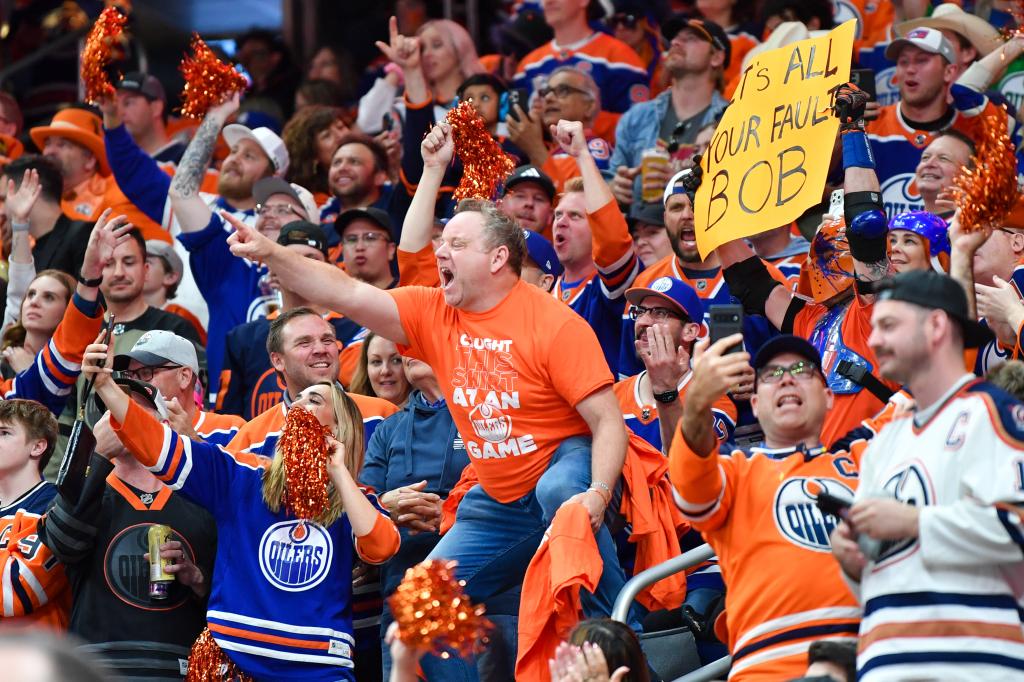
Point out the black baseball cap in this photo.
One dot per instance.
(143, 84)
(530, 173)
(647, 212)
(786, 343)
(708, 30)
(377, 216)
(305, 233)
(935, 291)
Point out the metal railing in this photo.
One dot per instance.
(620, 612)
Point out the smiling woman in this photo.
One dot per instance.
(380, 373)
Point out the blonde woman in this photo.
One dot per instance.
(280, 604)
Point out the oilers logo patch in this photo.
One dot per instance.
(910, 486)
(296, 555)
(797, 515)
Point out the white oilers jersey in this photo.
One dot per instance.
(944, 606)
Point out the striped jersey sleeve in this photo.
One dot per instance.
(203, 472)
(703, 485)
(614, 256)
(51, 378)
(32, 580)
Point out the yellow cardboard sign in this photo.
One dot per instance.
(769, 157)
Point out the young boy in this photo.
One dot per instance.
(33, 587)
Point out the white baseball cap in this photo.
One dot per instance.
(267, 139)
(158, 346)
(923, 38)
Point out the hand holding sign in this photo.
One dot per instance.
(765, 164)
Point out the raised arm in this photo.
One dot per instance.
(436, 150)
(22, 268)
(320, 283)
(192, 212)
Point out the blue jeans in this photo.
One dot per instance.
(493, 543)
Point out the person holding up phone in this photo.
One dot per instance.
(757, 508)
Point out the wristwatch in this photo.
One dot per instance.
(90, 282)
(667, 396)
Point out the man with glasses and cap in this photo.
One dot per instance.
(169, 362)
(757, 507)
(668, 317)
(932, 544)
(699, 51)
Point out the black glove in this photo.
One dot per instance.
(849, 106)
(691, 181)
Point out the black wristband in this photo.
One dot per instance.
(90, 282)
(750, 282)
(667, 396)
(863, 248)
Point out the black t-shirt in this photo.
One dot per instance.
(154, 318)
(63, 247)
(102, 540)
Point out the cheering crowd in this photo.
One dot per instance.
(283, 332)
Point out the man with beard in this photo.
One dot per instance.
(684, 263)
(698, 52)
(528, 197)
(358, 177)
(940, 496)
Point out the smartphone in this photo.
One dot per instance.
(836, 506)
(518, 96)
(108, 328)
(387, 123)
(865, 80)
(726, 320)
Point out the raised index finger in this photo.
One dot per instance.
(393, 28)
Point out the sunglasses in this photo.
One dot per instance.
(624, 19)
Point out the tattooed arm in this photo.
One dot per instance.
(192, 212)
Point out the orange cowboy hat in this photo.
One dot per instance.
(81, 127)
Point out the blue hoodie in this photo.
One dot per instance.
(419, 443)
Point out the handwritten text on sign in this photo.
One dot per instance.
(769, 157)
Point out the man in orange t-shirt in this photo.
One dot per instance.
(523, 375)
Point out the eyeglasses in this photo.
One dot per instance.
(147, 373)
(562, 91)
(658, 314)
(279, 210)
(801, 370)
(624, 19)
(368, 238)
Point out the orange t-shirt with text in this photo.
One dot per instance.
(512, 377)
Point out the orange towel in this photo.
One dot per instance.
(550, 606)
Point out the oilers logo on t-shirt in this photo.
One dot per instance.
(797, 515)
(1012, 87)
(296, 555)
(490, 423)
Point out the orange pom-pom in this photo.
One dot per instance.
(303, 446)
(986, 193)
(485, 165)
(99, 52)
(434, 614)
(207, 662)
(208, 81)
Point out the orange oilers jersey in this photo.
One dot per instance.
(642, 419)
(757, 509)
(561, 167)
(259, 436)
(841, 333)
